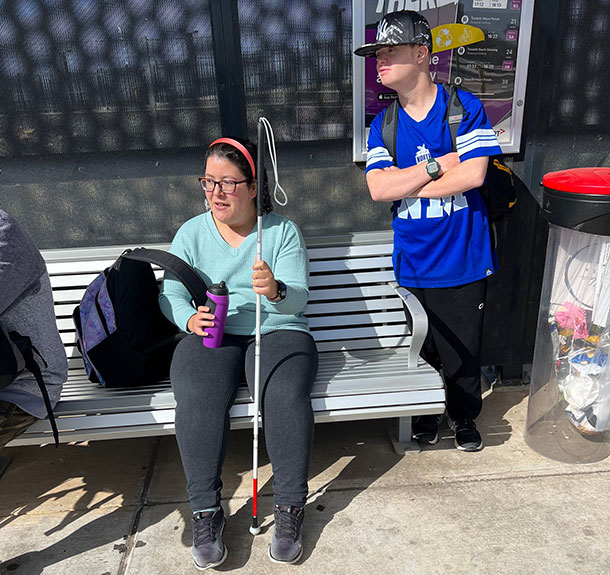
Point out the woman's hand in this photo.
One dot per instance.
(263, 280)
(199, 321)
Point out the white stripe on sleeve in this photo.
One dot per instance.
(378, 154)
(481, 138)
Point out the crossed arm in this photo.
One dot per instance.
(389, 184)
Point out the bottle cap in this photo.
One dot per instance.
(219, 289)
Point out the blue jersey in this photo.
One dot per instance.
(438, 242)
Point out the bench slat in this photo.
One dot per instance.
(350, 251)
(354, 292)
(81, 281)
(358, 332)
(352, 278)
(66, 325)
(74, 296)
(317, 267)
(318, 334)
(65, 310)
(357, 319)
(353, 306)
(75, 360)
(375, 343)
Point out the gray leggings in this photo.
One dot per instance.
(205, 383)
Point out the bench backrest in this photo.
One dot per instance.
(351, 305)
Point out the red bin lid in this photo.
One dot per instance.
(579, 181)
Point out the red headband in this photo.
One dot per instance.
(240, 147)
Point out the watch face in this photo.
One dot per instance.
(282, 290)
(433, 168)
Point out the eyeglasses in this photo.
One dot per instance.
(226, 186)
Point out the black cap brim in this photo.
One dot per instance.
(368, 50)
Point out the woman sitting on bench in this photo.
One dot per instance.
(221, 245)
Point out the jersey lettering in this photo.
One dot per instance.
(459, 202)
(437, 207)
(409, 206)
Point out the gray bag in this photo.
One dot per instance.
(16, 355)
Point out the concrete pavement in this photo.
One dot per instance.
(119, 507)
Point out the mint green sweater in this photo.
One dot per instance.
(199, 243)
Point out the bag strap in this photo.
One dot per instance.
(455, 112)
(454, 115)
(11, 360)
(25, 347)
(389, 128)
(175, 265)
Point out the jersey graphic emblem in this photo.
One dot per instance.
(423, 154)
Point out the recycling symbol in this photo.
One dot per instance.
(444, 38)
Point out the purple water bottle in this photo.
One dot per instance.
(218, 302)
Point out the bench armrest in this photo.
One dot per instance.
(417, 320)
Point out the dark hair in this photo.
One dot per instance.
(237, 158)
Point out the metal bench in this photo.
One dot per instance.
(368, 331)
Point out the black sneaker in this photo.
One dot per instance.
(286, 545)
(467, 437)
(425, 428)
(208, 548)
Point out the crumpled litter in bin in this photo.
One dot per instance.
(580, 391)
(589, 362)
(570, 316)
(586, 388)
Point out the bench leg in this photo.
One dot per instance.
(402, 437)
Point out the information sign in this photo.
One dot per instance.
(479, 45)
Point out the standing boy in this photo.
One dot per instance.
(442, 248)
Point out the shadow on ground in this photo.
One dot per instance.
(116, 476)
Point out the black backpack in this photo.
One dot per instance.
(17, 355)
(123, 336)
(498, 192)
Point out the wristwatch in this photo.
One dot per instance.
(281, 291)
(433, 168)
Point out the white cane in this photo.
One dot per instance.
(260, 167)
(263, 128)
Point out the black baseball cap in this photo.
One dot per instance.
(398, 28)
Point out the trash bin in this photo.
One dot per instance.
(568, 415)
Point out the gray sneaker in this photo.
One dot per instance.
(208, 548)
(286, 545)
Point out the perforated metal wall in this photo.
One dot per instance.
(575, 106)
(106, 108)
(297, 67)
(117, 75)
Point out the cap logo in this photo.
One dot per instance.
(398, 28)
(388, 32)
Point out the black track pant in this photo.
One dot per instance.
(205, 383)
(455, 316)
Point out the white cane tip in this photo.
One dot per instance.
(255, 530)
